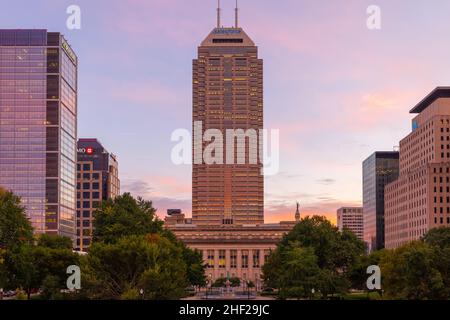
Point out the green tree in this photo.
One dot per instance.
(439, 237)
(314, 255)
(439, 240)
(55, 242)
(22, 270)
(358, 271)
(151, 263)
(410, 272)
(15, 228)
(27, 266)
(125, 216)
(195, 266)
(293, 270)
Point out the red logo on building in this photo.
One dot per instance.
(89, 150)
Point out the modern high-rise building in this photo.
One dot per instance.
(97, 180)
(379, 169)
(352, 219)
(227, 95)
(227, 225)
(38, 126)
(419, 199)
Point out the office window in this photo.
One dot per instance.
(244, 259)
(266, 255)
(210, 262)
(96, 186)
(233, 259)
(87, 167)
(222, 259)
(256, 263)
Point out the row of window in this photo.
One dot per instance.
(87, 204)
(233, 259)
(88, 185)
(88, 195)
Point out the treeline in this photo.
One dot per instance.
(132, 256)
(316, 261)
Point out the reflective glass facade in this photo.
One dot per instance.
(379, 169)
(38, 76)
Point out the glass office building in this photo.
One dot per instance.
(38, 121)
(379, 169)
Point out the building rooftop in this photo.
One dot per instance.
(439, 92)
(228, 37)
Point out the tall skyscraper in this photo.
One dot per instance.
(227, 226)
(38, 126)
(352, 219)
(379, 169)
(419, 199)
(227, 94)
(97, 180)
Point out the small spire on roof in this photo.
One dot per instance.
(236, 11)
(218, 13)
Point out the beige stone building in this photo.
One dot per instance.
(352, 219)
(419, 199)
(231, 251)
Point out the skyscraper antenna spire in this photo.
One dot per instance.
(218, 13)
(236, 15)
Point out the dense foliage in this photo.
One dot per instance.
(132, 256)
(313, 257)
(315, 260)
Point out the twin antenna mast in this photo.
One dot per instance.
(236, 15)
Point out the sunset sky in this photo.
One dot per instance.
(336, 90)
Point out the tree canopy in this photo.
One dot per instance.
(314, 255)
(15, 228)
(131, 251)
(125, 216)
